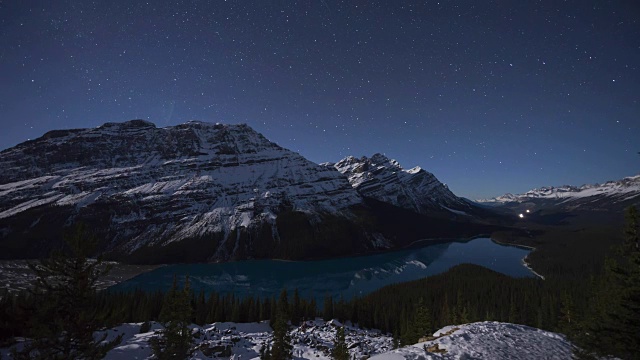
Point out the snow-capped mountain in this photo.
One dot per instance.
(618, 193)
(147, 187)
(383, 179)
(207, 192)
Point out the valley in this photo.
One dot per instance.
(362, 240)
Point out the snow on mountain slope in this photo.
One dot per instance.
(154, 186)
(314, 340)
(415, 189)
(620, 191)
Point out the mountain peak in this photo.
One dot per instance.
(384, 179)
(382, 160)
(378, 157)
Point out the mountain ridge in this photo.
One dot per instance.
(623, 189)
(196, 192)
(415, 189)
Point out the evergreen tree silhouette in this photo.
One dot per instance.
(340, 351)
(612, 326)
(65, 316)
(282, 348)
(174, 341)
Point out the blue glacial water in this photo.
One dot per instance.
(347, 277)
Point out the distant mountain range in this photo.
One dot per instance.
(214, 192)
(607, 196)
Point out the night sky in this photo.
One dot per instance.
(490, 96)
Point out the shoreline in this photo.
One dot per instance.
(528, 266)
(516, 245)
(524, 259)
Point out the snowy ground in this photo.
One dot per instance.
(487, 340)
(311, 340)
(314, 339)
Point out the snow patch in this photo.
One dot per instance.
(487, 340)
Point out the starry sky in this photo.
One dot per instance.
(490, 96)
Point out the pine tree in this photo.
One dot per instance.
(446, 311)
(296, 311)
(327, 311)
(201, 309)
(422, 320)
(174, 341)
(311, 309)
(283, 303)
(396, 340)
(282, 348)
(567, 321)
(340, 351)
(65, 316)
(613, 323)
(464, 315)
(265, 352)
(631, 231)
(235, 312)
(513, 313)
(419, 326)
(626, 274)
(457, 309)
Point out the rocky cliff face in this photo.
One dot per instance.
(417, 190)
(209, 192)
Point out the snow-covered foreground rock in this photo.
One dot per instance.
(487, 340)
(311, 340)
(314, 340)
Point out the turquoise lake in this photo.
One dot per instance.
(349, 276)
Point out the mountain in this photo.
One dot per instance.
(416, 190)
(607, 196)
(384, 179)
(197, 192)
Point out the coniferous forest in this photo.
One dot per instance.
(599, 311)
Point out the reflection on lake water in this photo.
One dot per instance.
(349, 276)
